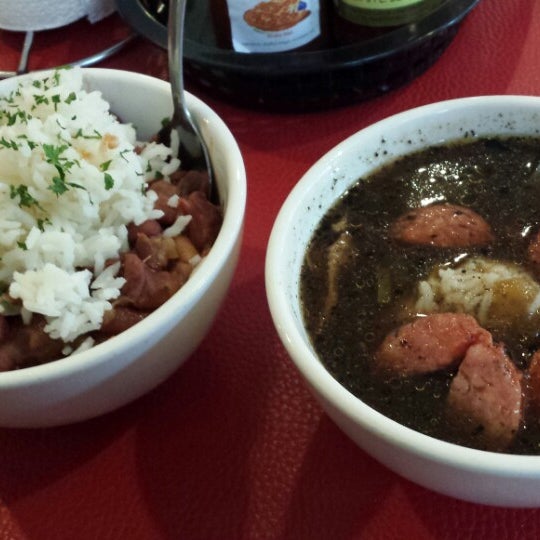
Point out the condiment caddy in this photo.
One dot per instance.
(304, 54)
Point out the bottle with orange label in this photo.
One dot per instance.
(359, 20)
(269, 26)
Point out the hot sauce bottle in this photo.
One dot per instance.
(271, 26)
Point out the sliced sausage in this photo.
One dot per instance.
(533, 254)
(442, 225)
(486, 397)
(437, 341)
(533, 384)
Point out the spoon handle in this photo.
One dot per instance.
(183, 131)
(175, 36)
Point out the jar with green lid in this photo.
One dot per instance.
(355, 20)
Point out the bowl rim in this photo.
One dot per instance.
(319, 379)
(205, 273)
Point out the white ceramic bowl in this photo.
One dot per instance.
(482, 477)
(126, 366)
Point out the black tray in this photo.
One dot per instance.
(295, 81)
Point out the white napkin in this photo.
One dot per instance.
(27, 15)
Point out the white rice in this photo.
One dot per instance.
(177, 227)
(54, 243)
(477, 286)
(173, 201)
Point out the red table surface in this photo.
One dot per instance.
(233, 445)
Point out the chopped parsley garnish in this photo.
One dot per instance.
(80, 134)
(58, 186)
(56, 100)
(9, 144)
(109, 181)
(53, 155)
(42, 222)
(25, 198)
(40, 99)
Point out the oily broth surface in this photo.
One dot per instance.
(491, 176)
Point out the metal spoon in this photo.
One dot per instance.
(183, 131)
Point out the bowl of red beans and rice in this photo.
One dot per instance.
(102, 302)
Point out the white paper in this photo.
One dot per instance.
(27, 15)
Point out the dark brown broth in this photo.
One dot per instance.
(491, 176)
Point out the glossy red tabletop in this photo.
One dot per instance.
(233, 446)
